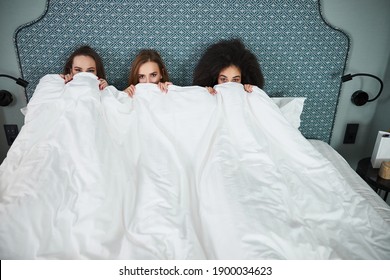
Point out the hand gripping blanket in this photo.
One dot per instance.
(183, 175)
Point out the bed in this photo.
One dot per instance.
(185, 175)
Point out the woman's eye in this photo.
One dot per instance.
(140, 77)
(91, 71)
(154, 75)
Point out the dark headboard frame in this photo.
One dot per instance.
(301, 55)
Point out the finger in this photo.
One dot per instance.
(103, 84)
(68, 78)
(129, 91)
(162, 87)
(132, 88)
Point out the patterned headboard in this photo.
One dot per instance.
(300, 54)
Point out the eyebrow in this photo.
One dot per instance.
(90, 68)
(238, 76)
(140, 74)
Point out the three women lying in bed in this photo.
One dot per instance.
(222, 62)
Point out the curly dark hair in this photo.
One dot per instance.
(223, 54)
(87, 51)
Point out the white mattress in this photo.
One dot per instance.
(358, 184)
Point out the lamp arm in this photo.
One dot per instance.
(375, 77)
(349, 77)
(19, 81)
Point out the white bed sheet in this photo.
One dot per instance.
(183, 175)
(353, 179)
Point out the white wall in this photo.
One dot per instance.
(368, 25)
(366, 22)
(13, 13)
(381, 120)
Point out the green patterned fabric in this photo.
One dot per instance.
(300, 54)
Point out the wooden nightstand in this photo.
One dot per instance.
(370, 175)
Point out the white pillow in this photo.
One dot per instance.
(291, 108)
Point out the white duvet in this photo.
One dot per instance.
(183, 175)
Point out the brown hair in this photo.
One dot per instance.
(144, 56)
(87, 51)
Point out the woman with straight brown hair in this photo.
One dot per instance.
(85, 59)
(148, 67)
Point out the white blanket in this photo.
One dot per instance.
(183, 175)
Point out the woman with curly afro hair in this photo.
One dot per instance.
(228, 61)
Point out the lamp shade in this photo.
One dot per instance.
(5, 98)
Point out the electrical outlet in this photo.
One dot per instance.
(350, 133)
(11, 131)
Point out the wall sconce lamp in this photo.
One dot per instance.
(5, 96)
(360, 97)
